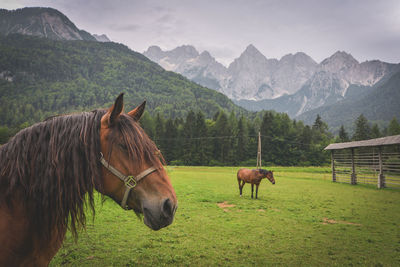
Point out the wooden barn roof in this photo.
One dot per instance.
(383, 141)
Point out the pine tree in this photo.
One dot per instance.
(4, 134)
(267, 131)
(394, 127)
(147, 124)
(242, 140)
(188, 134)
(306, 144)
(202, 147)
(375, 132)
(363, 130)
(252, 141)
(319, 125)
(343, 135)
(222, 133)
(171, 138)
(233, 142)
(159, 132)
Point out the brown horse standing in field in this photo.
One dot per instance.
(49, 172)
(253, 177)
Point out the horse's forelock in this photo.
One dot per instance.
(140, 147)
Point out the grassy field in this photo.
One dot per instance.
(302, 220)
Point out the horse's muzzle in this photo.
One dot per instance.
(159, 216)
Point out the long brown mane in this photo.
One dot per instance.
(54, 168)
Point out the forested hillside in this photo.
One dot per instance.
(41, 77)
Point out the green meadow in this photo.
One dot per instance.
(302, 220)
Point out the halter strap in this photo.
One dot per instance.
(130, 181)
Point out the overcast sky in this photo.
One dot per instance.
(367, 29)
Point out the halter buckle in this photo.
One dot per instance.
(130, 182)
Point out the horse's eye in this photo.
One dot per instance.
(123, 147)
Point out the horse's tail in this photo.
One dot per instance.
(239, 179)
(238, 176)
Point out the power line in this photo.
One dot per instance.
(232, 137)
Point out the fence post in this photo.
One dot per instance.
(333, 165)
(353, 168)
(259, 152)
(381, 177)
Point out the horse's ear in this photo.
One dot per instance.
(137, 112)
(113, 113)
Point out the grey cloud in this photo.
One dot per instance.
(368, 29)
(124, 27)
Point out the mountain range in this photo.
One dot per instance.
(51, 67)
(295, 84)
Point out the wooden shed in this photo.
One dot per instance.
(374, 161)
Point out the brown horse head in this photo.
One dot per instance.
(133, 173)
(268, 174)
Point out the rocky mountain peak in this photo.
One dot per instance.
(249, 60)
(154, 53)
(42, 22)
(339, 61)
(206, 54)
(153, 49)
(101, 38)
(206, 58)
(299, 58)
(252, 52)
(184, 52)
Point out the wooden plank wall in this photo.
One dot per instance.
(378, 166)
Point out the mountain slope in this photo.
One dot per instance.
(41, 77)
(186, 60)
(328, 85)
(322, 88)
(41, 22)
(378, 103)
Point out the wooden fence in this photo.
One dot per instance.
(374, 165)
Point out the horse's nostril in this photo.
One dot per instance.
(168, 208)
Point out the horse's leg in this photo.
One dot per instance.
(240, 187)
(257, 190)
(252, 189)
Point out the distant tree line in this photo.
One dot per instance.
(230, 140)
(364, 130)
(227, 139)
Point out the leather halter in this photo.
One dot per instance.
(130, 181)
